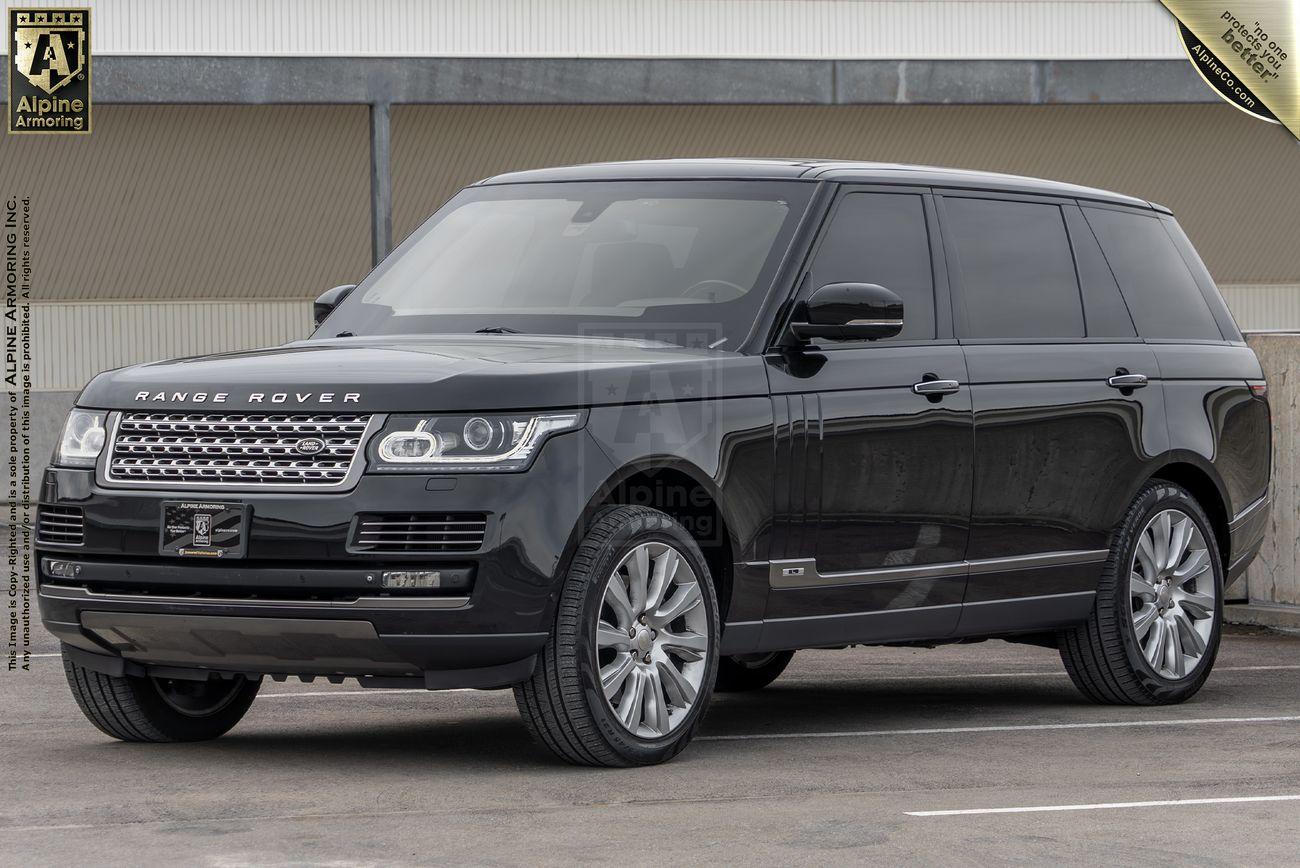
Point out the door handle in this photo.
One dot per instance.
(1127, 381)
(936, 387)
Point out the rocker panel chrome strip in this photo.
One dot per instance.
(803, 573)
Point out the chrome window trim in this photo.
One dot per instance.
(104, 477)
(803, 572)
(66, 592)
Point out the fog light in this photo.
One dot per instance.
(421, 579)
(62, 569)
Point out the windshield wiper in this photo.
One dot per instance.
(497, 330)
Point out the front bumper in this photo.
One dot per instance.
(300, 603)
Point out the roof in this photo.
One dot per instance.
(811, 170)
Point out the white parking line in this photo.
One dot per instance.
(1047, 673)
(1105, 806)
(1026, 727)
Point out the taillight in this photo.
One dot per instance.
(1258, 388)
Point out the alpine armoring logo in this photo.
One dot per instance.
(49, 72)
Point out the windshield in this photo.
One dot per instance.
(686, 262)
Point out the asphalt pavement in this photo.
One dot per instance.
(964, 754)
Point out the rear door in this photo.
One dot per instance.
(872, 480)
(1067, 404)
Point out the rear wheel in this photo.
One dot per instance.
(1154, 632)
(141, 708)
(743, 672)
(629, 667)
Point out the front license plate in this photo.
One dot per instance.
(201, 529)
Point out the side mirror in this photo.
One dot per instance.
(330, 299)
(849, 312)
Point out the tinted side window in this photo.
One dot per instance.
(1103, 307)
(1017, 272)
(882, 238)
(1161, 293)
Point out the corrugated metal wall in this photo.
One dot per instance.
(1053, 29)
(73, 342)
(189, 202)
(1241, 212)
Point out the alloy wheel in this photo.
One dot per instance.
(1172, 593)
(652, 640)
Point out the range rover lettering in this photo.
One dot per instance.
(618, 436)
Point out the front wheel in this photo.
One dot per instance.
(143, 708)
(1154, 632)
(628, 669)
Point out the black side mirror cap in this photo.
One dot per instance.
(330, 299)
(849, 312)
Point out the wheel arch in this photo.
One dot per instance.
(683, 491)
(1202, 481)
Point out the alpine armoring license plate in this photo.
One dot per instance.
(202, 529)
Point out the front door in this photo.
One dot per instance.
(874, 446)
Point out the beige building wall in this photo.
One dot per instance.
(197, 202)
(1230, 178)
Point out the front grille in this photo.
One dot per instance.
(419, 533)
(60, 525)
(234, 449)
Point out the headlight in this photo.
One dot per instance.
(83, 439)
(466, 443)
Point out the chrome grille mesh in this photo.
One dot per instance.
(235, 449)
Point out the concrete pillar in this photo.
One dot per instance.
(1273, 580)
(381, 182)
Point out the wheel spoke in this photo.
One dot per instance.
(638, 574)
(680, 691)
(1174, 652)
(1191, 640)
(688, 646)
(1140, 587)
(1197, 605)
(686, 598)
(1160, 528)
(1181, 535)
(633, 702)
(656, 706)
(1143, 619)
(609, 636)
(665, 570)
(1146, 555)
(616, 599)
(1155, 647)
(613, 675)
(1195, 564)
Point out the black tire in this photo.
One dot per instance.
(750, 671)
(1103, 656)
(143, 709)
(563, 704)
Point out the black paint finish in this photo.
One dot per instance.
(779, 449)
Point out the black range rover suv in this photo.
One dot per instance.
(617, 436)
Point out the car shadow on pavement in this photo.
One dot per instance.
(478, 739)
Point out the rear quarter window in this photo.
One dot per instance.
(1161, 293)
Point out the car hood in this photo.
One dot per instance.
(442, 373)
